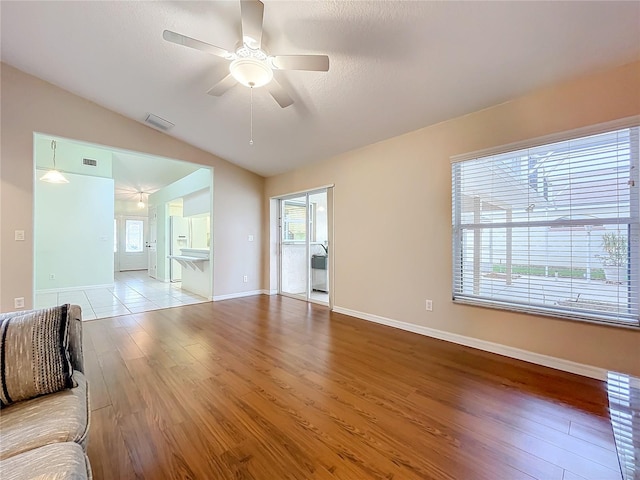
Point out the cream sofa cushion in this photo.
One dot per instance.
(58, 461)
(54, 418)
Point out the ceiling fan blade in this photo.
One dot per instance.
(318, 63)
(179, 39)
(252, 12)
(279, 94)
(222, 86)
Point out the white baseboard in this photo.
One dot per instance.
(229, 296)
(512, 352)
(73, 289)
(269, 292)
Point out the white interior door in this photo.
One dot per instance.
(152, 243)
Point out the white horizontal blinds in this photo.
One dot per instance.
(551, 229)
(294, 221)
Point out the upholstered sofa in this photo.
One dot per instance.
(44, 437)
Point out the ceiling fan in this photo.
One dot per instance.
(251, 65)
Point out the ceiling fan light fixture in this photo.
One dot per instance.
(251, 72)
(251, 65)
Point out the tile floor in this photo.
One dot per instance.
(132, 292)
(320, 296)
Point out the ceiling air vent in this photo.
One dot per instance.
(158, 122)
(88, 161)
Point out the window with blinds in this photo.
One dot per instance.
(552, 229)
(295, 220)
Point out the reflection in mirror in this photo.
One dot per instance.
(624, 408)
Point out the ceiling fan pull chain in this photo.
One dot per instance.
(251, 123)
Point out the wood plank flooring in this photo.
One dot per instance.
(271, 388)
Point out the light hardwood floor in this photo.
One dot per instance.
(272, 388)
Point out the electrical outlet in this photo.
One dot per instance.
(429, 305)
(52, 276)
(245, 279)
(19, 235)
(18, 302)
(250, 238)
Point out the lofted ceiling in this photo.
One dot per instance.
(394, 66)
(132, 172)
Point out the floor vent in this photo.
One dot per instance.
(88, 161)
(158, 122)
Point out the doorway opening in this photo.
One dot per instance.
(101, 238)
(304, 250)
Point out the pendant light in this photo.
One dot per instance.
(54, 176)
(141, 202)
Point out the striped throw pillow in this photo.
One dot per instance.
(34, 354)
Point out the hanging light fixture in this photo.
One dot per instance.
(54, 176)
(141, 202)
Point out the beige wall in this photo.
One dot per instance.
(32, 105)
(392, 247)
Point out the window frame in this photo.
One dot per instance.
(309, 220)
(127, 221)
(458, 229)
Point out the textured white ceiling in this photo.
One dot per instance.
(395, 66)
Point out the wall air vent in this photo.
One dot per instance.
(157, 122)
(90, 162)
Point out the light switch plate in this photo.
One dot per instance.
(19, 235)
